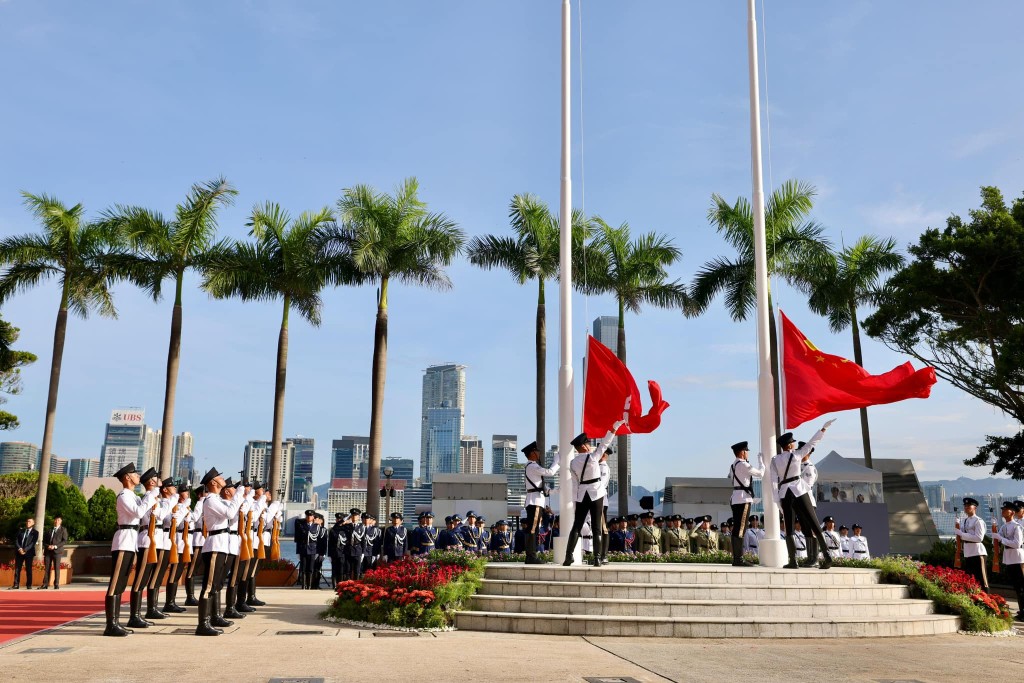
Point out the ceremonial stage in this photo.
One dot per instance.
(698, 601)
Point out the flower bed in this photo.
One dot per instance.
(416, 593)
(717, 557)
(38, 573)
(276, 573)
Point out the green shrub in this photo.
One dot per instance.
(102, 514)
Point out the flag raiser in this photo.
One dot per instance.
(609, 385)
(817, 382)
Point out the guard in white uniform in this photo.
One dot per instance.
(790, 491)
(164, 532)
(800, 541)
(753, 535)
(832, 539)
(972, 533)
(859, 544)
(179, 514)
(1010, 535)
(261, 547)
(143, 567)
(195, 525)
(742, 475)
(588, 491)
(217, 511)
(809, 473)
(844, 540)
(235, 565)
(536, 498)
(124, 545)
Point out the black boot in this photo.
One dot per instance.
(791, 549)
(151, 611)
(170, 605)
(110, 608)
(605, 537)
(252, 599)
(242, 593)
(117, 615)
(570, 548)
(215, 618)
(812, 552)
(190, 591)
(204, 628)
(135, 619)
(229, 604)
(737, 553)
(826, 560)
(595, 560)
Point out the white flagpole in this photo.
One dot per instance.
(771, 549)
(566, 420)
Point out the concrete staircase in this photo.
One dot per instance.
(697, 601)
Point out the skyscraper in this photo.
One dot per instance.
(347, 453)
(19, 456)
(471, 455)
(256, 466)
(128, 439)
(504, 452)
(80, 468)
(58, 465)
(606, 331)
(182, 462)
(302, 470)
(443, 419)
(402, 469)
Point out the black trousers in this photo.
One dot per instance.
(197, 554)
(975, 566)
(51, 560)
(143, 570)
(533, 516)
(160, 573)
(26, 562)
(339, 569)
(232, 566)
(740, 512)
(595, 508)
(214, 566)
(801, 508)
(306, 563)
(121, 564)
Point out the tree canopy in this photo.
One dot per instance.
(11, 362)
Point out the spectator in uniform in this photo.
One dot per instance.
(972, 534)
(648, 536)
(337, 539)
(394, 545)
(859, 545)
(501, 539)
(832, 540)
(448, 538)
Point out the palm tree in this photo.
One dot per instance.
(848, 280)
(634, 272)
(73, 251)
(533, 254)
(389, 238)
(794, 244)
(283, 263)
(166, 249)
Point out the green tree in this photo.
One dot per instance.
(794, 244)
(532, 254)
(102, 514)
(958, 305)
(11, 362)
(284, 263)
(74, 252)
(634, 272)
(64, 499)
(165, 249)
(389, 237)
(843, 284)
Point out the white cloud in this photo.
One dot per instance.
(902, 214)
(950, 417)
(979, 142)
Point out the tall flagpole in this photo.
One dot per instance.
(771, 549)
(566, 419)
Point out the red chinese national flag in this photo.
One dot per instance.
(817, 382)
(608, 385)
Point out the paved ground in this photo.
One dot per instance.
(256, 650)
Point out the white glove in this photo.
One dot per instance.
(828, 424)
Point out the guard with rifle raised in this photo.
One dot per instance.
(147, 557)
(124, 547)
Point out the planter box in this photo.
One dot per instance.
(277, 577)
(38, 574)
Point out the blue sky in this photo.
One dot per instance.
(897, 112)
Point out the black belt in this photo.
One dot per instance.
(590, 481)
(754, 547)
(167, 529)
(214, 532)
(860, 552)
(540, 490)
(586, 537)
(133, 527)
(786, 481)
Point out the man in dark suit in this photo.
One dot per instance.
(53, 551)
(24, 552)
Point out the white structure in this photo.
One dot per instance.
(484, 494)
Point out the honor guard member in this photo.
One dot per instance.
(859, 544)
(536, 498)
(164, 531)
(972, 533)
(672, 539)
(588, 491)
(752, 536)
(217, 510)
(426, 536)
(483, 534)
(195, 525)
(271, 513)
(448, 539)
(469, 535)
(240, 573)
(356, 533)
(844, 540)
(321, 551)
(1010, 535)
(791, 493)
(143, 568)
(301, 542)
(395, 544)
(179, 539)
(501, 539)
(372, 540)
(247, 587)
(742, 475)
(832, 540)
(233, 565)
(809, 473)
(800, 541)
(648, 536)
(616, 539)
(702, 540)
(124, 545)
(336, 542)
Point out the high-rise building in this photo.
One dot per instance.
(422, 497)
(80, 468)
(550, 458)
(345, 494)
(515, 474)
(347, 453)
(182, 461)
(606, 331)
(58, 465)
(471, 455)
(443, 419)
(302, 470)
(935, 494)
(256, 466)
(127, 439)
(402, 470)
(19, 456)
(504, 452)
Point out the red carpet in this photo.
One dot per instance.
(26, 611)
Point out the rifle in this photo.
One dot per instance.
(959, 542)
(172, 557)
(261, 550)
(995, 543)
(186, 555)
(244, 552)
(275, 540)
(151, 557)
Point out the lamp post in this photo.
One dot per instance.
(387, 492)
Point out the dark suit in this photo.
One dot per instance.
(51, 557)
(24, 540)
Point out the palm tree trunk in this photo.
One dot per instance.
(621, 456)
(542, 354)
(773, 341)
(171, 385)
(279, 484)
(378, 375)
(859, 360)
(59, 332)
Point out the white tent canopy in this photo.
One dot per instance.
(834, 467)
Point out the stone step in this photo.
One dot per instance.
(625, 572)
(693, 591)
(789, 609)
(707, 627)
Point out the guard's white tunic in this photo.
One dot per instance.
(809, 473)
(859, 548)
(972, 531)
(178, 514)
(844, 543)
(217, 513)
(534, 474)
(1011, 538)
(272, 512)
(130, 510)
(196, 524)
(587, 467)
(743, 472)
(800, 541)
(164, 530)
(833, 543)
(786, 465)
(158, 513)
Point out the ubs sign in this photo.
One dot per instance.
(131, 416)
